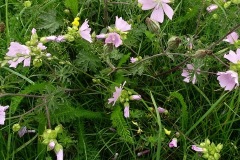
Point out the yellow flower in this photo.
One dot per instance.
(167, 132)
(76, 22)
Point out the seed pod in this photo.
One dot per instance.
(173, 42)
(2, 27)
(202, 53)
(152, 25)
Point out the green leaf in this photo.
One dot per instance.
(49, 21)
(119, 122)
(88, 61)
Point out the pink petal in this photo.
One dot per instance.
(196, 148)
(114, 38)
(84, 31)
(173, 143)
(60, 154)
(228, 80)
(212, 7)
(232, 56)
(122, 25)
(168, 10)
(147, 4)
(126, 112)
(157, 14)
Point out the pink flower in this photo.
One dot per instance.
(51, 38)
(135, 97)
(231, 38)
(122, 25)
(41, 46)
(233, 57)
(133, 60)
(101, 36)
(51, 145)
(173, 143)
(3, 114)
(228, 80)
(114, 38)
(162, 110)
(212, 7)
(116, 94)
(126, 111)
(84, 31)
(190, 74)
(197, 149)
(19, 53)
(60, 38)
(160, 7)
(59, 154)
(24, 130)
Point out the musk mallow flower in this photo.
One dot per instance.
(18, 53)
(3, 114)
(116, 94)
(196, 148)
(159, 8)
(173, 143)
(190, 74)
(84, 31)
(122, 25)
(231, 38)
(228, 80)
(114, 38)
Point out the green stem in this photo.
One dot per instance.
(6, 23)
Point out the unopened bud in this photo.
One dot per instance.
(227, 4)
(173, 42)
(152, 25)
(202, 53)
(27, 4)
(16, 127)
(37, 62)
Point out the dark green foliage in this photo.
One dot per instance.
(88, 61)
(119, 122)
(48, 21)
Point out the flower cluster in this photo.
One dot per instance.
(123, 96)
(229, 79)
(209, 150)
(73, 32)
(50, 139)
(116, 34)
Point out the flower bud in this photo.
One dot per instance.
(59, 128)
(173, 42)
(37, 62)
(215, 16)
(152, 25)
(216, 156)
(202, 53)
(51, 145)
(227, 4)
(135, 97)
(27, 4)
(66, 11)
(16, 127)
